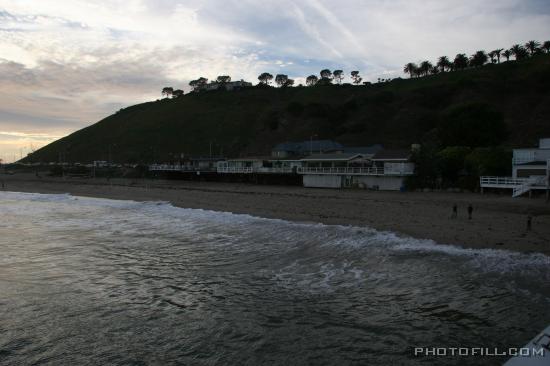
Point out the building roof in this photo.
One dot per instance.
(332, 157)
(392, 155)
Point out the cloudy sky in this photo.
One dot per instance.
(65, 64)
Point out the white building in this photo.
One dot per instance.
(385, 170)
(267, 164)
(530, 171)
(189, 164)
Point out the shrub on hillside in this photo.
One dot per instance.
(489, 161)
(473, 125)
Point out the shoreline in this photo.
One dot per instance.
(499, 222)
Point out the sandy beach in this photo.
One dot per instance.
(499, 221)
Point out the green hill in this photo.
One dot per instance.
(251, 121)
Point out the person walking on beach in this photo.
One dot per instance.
(470, 210)
(455, 211)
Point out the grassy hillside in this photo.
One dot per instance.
(251, 121)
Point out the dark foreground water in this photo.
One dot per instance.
(94, 281)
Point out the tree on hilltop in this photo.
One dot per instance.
(444, 63)
(507, 54)
(326, 76)
(265, 78)
(478, 59)
(223, 79)
(546, 46)
(532, 47)
(167, 91)
(493, 56)
(497, 53)
(338, 75)
(519, 52)
(281, 79)
(411, 68)
(198, 84)
(177, 93)
(425, 67)
(356, 77)
(311, 80)
(460, 62)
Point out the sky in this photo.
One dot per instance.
(65, 64)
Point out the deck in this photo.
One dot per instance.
(178, 168)
(355, 171)
(250, 170)
(518, 186)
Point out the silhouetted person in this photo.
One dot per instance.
(529, 221)
(455, 211)
(470, 210)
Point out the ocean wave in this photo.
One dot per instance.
(222, 227)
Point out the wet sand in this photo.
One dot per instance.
(499, 221)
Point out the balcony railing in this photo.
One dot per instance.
(275, 170)
(235, 170)
(178, 168)
(509, 182)
(248, 170)
(355, 171)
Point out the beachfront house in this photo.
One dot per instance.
(530, 171)
(261, 164)
(189, 164)
(384, 170)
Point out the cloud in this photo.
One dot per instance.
(66, 64)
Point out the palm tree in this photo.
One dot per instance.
(492, 55)
(411, 68)
(546, 46)
(518, 51)
(425, 67)
(444, 63)
(497, 52)
(532, 46)
(478, 59)
(461, 61)
(507, 54)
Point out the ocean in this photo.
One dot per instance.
(86, 281)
